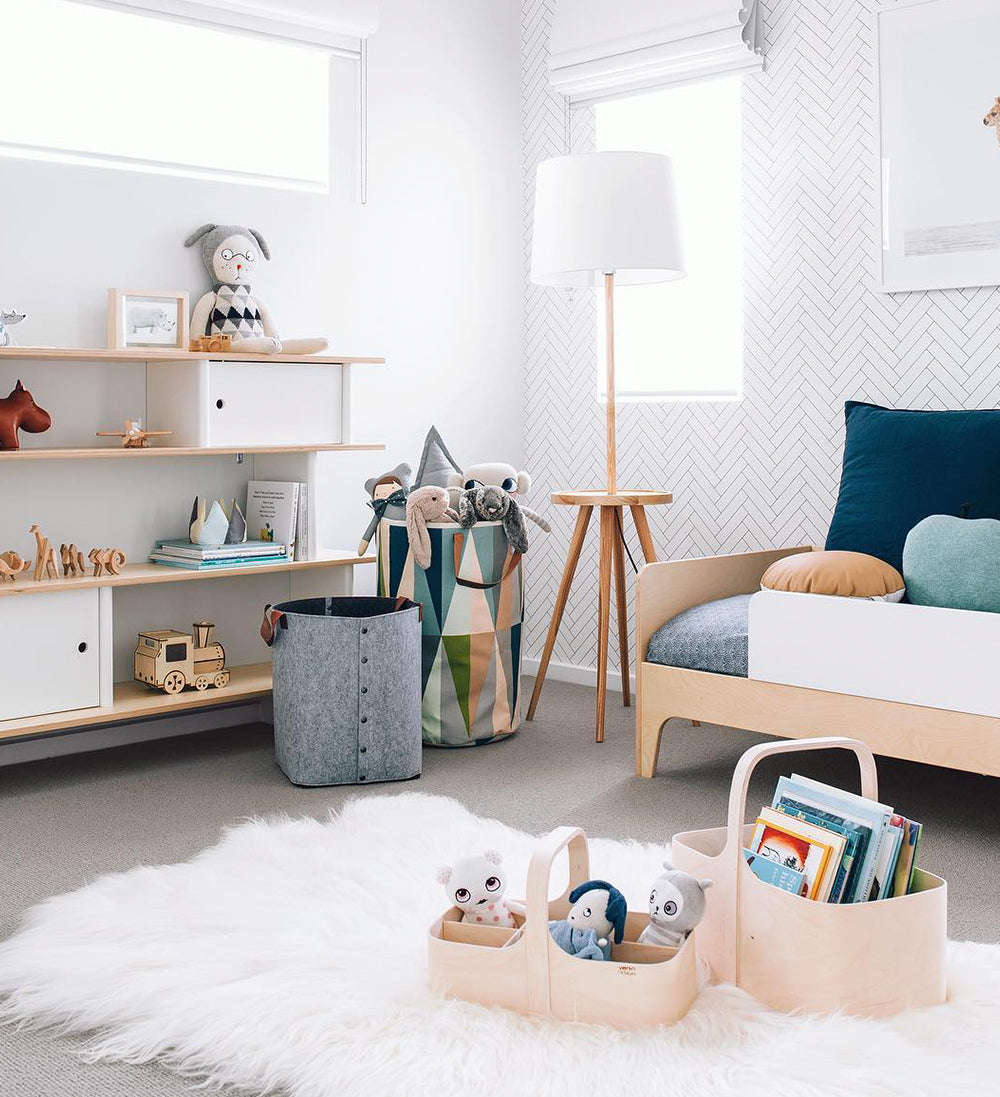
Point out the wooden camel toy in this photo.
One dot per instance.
(18, 411)
(11, 566)
(45, 557)
(110, 560)
(72, 560)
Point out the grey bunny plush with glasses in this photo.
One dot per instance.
(231, 254)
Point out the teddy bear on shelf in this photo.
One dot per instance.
(231, 254)
(476, 885)
(597, 915)
(676, 906)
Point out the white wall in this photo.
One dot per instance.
(426, 274)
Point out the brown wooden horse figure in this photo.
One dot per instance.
(19, 412)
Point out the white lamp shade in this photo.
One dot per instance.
(605, 212)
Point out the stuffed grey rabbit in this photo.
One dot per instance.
(427, 504)
(493, 504)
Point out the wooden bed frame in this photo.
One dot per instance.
(942, 737)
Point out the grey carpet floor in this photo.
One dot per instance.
(65, 821)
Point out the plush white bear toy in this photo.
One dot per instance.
(231, 254)
(476, 886)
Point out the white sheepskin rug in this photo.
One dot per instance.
(291, 958)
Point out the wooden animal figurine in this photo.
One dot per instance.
(213, 344)
(45, 557)
(110, 560)
(11, 566)
(133, 436)
(993, 118)
(72, 561)
(19, 412)
(171, 660)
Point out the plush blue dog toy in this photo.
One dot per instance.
(598, 912)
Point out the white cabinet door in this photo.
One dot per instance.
(49, 653)
(273, 404)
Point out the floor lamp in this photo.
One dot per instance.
(602, 219)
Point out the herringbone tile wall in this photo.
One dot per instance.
(763, 471)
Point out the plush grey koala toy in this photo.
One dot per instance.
(493, 504)
(231, 254)
(676, 906)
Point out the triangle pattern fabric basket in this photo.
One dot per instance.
(472, 596)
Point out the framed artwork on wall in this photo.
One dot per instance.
(146, 318)
(939, 144)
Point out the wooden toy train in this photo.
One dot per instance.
(171, 660)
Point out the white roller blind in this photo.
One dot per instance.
(334, 23)
(600, 49)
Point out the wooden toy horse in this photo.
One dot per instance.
(19, 412)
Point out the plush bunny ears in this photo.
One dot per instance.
(212, 235)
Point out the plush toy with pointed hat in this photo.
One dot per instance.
(231, 254)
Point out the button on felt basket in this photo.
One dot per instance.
(346, 689)
(639, 987)
(871, 959)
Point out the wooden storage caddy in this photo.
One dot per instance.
(870, 959)
(640, 986)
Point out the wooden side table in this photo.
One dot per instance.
(612, 557)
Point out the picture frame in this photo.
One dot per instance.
(939, 153)
(147, 319)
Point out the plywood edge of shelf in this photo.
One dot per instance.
(150, 354)
(86, 453)
(133, 575)
(137, 701)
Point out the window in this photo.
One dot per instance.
(684, 340)
(98, 85)
(176, 653)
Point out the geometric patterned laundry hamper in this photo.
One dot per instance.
(473, 607)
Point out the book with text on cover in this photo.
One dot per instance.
(796, 844)
(272, 512)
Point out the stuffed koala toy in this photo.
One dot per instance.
(476, 886)
(500, 475)
(597, 915)
(231, 254)
(676, 906)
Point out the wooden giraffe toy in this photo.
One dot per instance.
(45, 558)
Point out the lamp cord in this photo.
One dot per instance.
(621, 535)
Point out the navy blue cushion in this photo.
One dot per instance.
(901, 466)
(712, 637)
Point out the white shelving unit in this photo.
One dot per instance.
(282, 411)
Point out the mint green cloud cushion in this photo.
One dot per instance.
(953, 563)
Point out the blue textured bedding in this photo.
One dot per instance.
(711, 637)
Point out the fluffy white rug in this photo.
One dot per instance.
(291, 957)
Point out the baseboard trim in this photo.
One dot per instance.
(577, 675)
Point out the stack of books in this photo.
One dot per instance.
(832, 846)
(181, 553)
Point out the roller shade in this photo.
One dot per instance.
(339, 24)
(600, 49)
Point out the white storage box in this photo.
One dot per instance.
(216, 403)
(51, 653)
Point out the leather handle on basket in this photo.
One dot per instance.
(733, 857)
(269, 625)
(458, 541)
(536, 919)
(402, 602)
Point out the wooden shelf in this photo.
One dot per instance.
(137, 575)
(152, 354)
(136, 701)
(85, 453)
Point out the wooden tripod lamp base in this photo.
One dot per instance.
(611, 506)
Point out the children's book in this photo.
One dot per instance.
(217, 565)
(796, 844)
(777, 874)
(302, 530)
(851, 833)
(848, 806)
(184, 549)
(272, 512)
(906, 862)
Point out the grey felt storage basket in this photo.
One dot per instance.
(346, 689)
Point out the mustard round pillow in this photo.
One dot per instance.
(845, 574)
